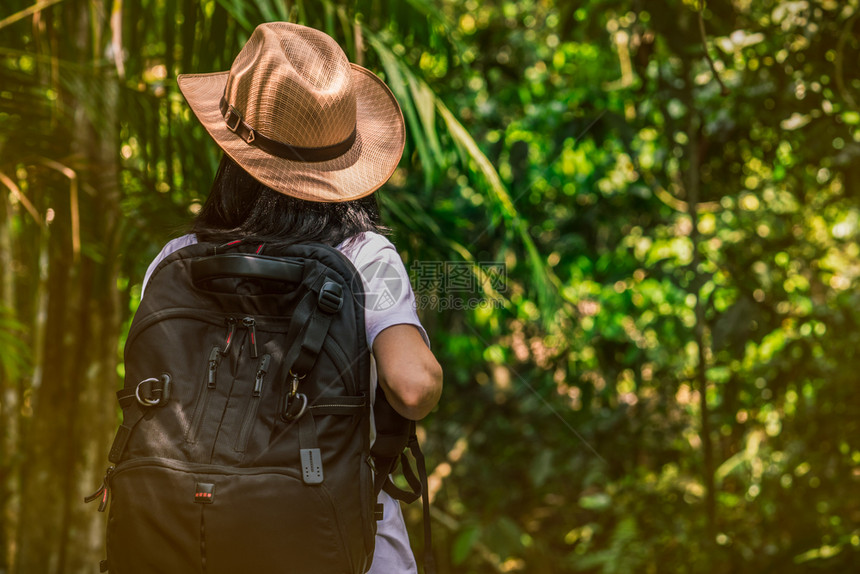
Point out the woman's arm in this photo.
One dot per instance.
(408, 372)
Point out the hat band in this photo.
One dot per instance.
(237, 125)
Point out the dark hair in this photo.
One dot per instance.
(240, 207)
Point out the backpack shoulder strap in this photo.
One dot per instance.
(395, 435)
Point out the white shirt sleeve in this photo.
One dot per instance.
(389, 299)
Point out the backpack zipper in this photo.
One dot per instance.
(253, 404)
(205, 316)
(215, 356)
(278, 323)
(250, 324)
(231, 326)
(262, 369)
(103, 491)
(201, 467)
(212, 370)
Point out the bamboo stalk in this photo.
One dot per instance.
(37, 7)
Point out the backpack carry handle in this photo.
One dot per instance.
(245, 265)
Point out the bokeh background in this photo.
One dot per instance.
(662, 378)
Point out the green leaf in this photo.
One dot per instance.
(463, 544)
(598, 501)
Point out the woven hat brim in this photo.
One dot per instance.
(380, 138)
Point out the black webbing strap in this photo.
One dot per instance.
(301, 317)
(429, 559)
(412, 480)
(135, 403)
(392, 435)
(132, 414)
(308, 329)
(300, 359)
(311, 342)
(384, 466)
(418, 484)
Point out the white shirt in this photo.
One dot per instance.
(389, 301)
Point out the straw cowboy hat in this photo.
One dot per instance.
(299, 117)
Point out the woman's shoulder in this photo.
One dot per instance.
(178, 243)
(367, 246)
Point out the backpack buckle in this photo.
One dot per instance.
(290, 409)
(155, 391)
(331, 297)
(294, 409)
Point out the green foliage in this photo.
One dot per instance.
(15, 359)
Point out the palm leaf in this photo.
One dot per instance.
(544, 280)
(397, 76)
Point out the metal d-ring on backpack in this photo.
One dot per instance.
(244, 445)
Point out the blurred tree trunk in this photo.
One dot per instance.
(7, 393)
(84, 536)
(68, 435)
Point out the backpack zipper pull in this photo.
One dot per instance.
(251, 325)
(103, 491)
(231, 325)
(214, 361)
(262, 369)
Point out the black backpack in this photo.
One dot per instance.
(244, 445)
